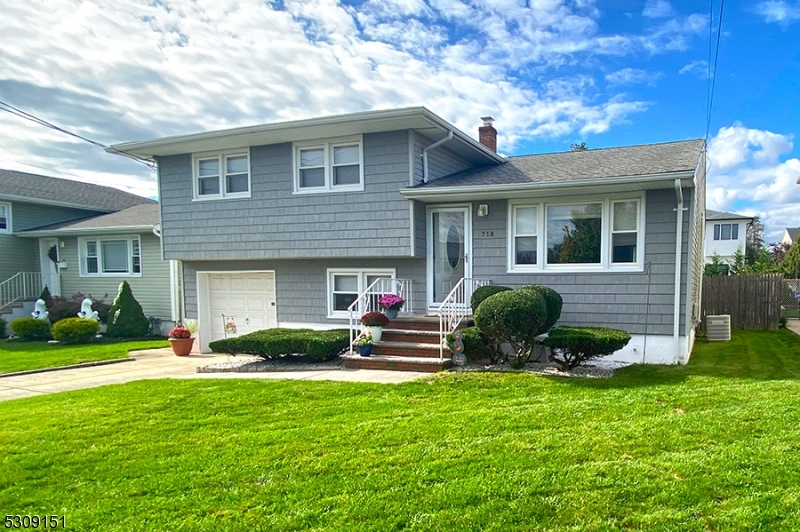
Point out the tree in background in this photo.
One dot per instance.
(126, 318)
(754, 241)
(578, 147)
(789, 264)
(778, 252)
(716, 267)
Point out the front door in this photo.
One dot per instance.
(48, 261)
(449, 250)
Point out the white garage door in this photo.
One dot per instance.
(246, 300)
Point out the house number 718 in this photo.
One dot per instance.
(485, 234)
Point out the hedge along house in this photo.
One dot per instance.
(288, 224)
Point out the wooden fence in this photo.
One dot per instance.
(753, 301)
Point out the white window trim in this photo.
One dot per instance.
(8, 229)
(327, 147)
(362, 273)
(221, 156)
(82, 253)
(605, 264)
(720, 239)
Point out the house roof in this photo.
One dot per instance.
(35, 188)
(416, 118)
(133, 219)
(793, 231)
(628, 161)
(718, 215)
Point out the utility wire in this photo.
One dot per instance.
(713, 73)
(35, 119)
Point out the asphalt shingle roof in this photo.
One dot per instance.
(793, 231)
(93, 197)
(719, 215)
(136, 216)
(646, 159)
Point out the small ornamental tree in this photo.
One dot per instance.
(574, 345)
(515, 317)
(46, 297)
(126, 318)
(552, 299)
(480, 294)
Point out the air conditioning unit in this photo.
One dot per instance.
(718, 328)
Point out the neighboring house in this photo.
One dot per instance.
(78, 237)
(789, 235)
(286, 224)
(726, 233)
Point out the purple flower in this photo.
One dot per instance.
(391, 302)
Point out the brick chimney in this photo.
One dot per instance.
(487, 134)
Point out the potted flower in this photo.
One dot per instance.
(181, 339)
(373, 323)
(391, 303)
(364, 344)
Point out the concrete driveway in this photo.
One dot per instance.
(162, 364)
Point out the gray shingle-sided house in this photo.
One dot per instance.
(79, 237)
(288, 224)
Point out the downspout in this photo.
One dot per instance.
(425, 155)
(678, 252)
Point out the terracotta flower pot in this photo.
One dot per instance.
(181, 346)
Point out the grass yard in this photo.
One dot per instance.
(714, 445)
(23, 356)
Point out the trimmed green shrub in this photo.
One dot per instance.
(46, 297)
(783, 321)
(272, 343)
(75, 330)
(477, 345)
(126, 318)
(2, 328)
(515, 317)
(574, 345)
(552, 299)
(480, 294)
(30, 329)
(62, 307)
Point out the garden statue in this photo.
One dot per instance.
(40, 310)
(87, 312)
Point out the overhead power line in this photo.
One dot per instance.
(712, 72)
(36, 120)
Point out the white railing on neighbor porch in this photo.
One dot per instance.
(456, 307)
(367, 301)
(24, 285)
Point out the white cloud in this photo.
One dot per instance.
(699, 67)
(779, 11)
(632, 76)
(747, 174)
(657, 9)
(134, 69)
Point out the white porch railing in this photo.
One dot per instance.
(456, 307)
(367, 301)
(24, 285)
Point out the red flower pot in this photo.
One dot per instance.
(181, 346)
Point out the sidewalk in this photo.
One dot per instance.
(794, 326)
(162, 364)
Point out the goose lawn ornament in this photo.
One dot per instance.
(87, 312)
(40, 310)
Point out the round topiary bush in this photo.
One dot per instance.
(553, 300)
(515, 317)
(31, 329)
(75, 330)
(126, 318)
(480, 294)
(574, 345)
(476, 345)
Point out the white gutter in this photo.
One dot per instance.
(425, 154)
(678, 252)
(157, 230)
(437, 192)
(86, 231)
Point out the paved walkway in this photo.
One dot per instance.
(793, 325)
(162, 364)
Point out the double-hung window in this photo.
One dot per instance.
(111, 256)
(564, 236)
(329, 166)
(726, 231)
(222, 175)
(5, 217)
(345, 285)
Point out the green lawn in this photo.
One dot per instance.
(714, 445)
(22, 356)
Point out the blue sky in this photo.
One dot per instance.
(550, 72)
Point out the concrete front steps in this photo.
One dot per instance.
(407, 344)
